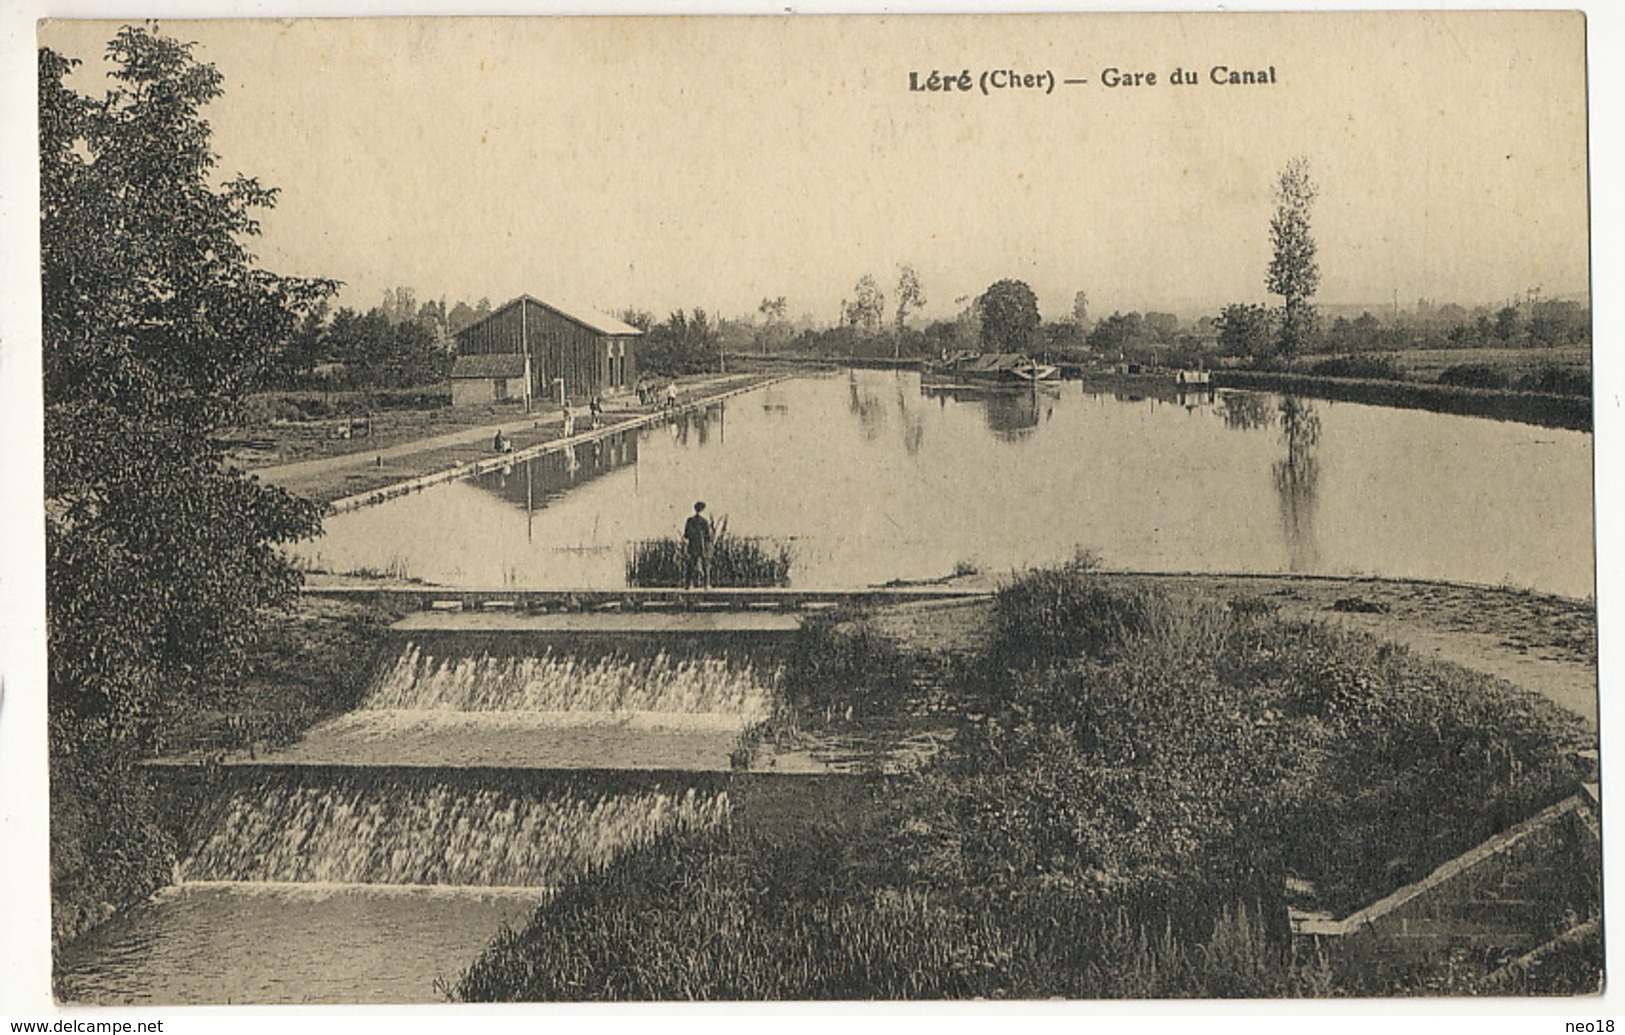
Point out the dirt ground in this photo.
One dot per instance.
(1541, 643)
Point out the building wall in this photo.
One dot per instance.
(481, 391)
(559, 348)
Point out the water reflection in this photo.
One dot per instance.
(1297, 481)
(533, 483)
(865, 404)
(697, 426)
(913, 423)
(872, 476)
(1190, 397)
(1010, 413)
(1247, 411)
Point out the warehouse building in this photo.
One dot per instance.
(544, 351)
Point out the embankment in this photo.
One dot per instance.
(1554, 411)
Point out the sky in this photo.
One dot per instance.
(677, 162)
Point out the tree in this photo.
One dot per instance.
(686, 343)
(773, 312)
(1117, 333)
(1161, 328)
(1009, 312)
(296, 361)
(1558, 323)
(460, 316)
(1245, 330)
(910, 295)
(159, 557)
(399, 304)
(1506, 323)
(1080, 309)
(1293, 272)
(866, 311)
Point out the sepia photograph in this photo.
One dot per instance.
(1062, 506)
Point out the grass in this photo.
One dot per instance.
(730, 915)
(736, 561)
(1428, 364)
(1134, 779)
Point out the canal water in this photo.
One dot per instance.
(870, 477)
(338, 884)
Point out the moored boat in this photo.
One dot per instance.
(1009, 368)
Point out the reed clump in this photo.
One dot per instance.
(735, 561)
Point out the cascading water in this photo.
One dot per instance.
(492, 702)
(563, 684)
(345, 831)
(383, 851)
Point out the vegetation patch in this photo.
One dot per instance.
(1135, 781)
(735, 561)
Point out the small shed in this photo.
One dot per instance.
(590, 353)
(477, 380)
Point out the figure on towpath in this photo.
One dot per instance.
(697, 536)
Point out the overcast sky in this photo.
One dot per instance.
(661, 163)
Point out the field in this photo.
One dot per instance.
(1427, 364)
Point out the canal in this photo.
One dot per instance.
(870, 477)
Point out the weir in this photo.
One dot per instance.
(512, 754)
(493, 759)
(649, 692)
(338, 825)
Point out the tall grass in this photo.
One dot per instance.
(735, 561)
(730, 915)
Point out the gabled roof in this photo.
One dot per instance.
(501, 364)
(588, 318)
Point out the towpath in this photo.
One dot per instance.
(330, 478)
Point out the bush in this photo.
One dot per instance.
(1556, 380)
(1378, 368)
(108, 848)
(842, 667)
(1474, 375)
(298, 406)
(731, 915)
(1136, 777)
(1051, 613)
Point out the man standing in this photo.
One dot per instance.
(697, 535)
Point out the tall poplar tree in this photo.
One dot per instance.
(1293, 272)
